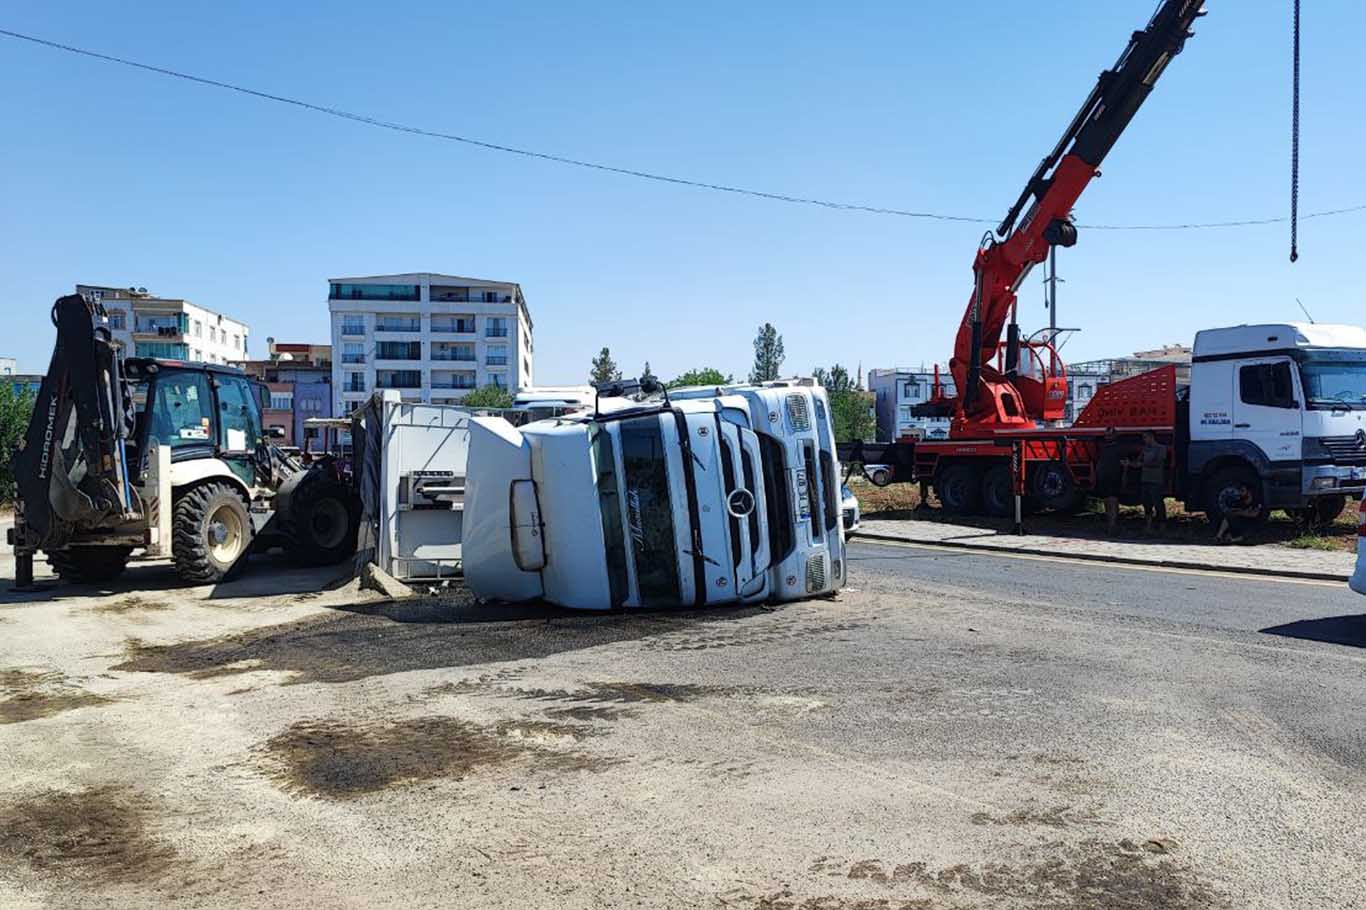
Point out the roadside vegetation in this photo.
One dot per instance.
(16, 407)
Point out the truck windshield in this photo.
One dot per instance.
(649, 510)
(1334, 378)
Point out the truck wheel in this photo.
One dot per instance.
(1324, 510)
(1055, 488)
(959, 488)
(1225, 489)
(322, 525)
(211, 531)
(85, 565)
(998, 492)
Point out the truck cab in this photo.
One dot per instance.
(1279, 409)
(714, 495)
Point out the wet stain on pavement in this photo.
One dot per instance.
(341, 761)
(34, 694)
(367, 640)
(590, 713)
(132, 604)
(1054, 817)
(1082, 876)
(629, 693)
(98, 835)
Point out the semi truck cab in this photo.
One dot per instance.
(1280, 409)
(715, 495)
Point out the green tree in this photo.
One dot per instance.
(701, 376)
(647, 374)
(489, 396)
(604, 368)
(768, 354)
(16, 407)
(851, 408)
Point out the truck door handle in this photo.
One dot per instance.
(1242, 426)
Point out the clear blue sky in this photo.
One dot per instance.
(116, 176)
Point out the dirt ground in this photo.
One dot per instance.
(274, 743)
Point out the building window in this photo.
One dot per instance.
(353, 325)
(447, 292)
(496, 355)
(341, 291)
(197, 355)
(163, 349)
(398, 350)
(282, 401)
(355, 382)
(398, 379)
(353, 352)
(118, 320)
(496, 327)
(453, 325)
(498, 380)
(237, 342)
(398, 323)
(441, 351)
(1084, 392)
(198, 329)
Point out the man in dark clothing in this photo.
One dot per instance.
(1110, 477)
(1153, 479)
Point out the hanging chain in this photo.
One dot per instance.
(1295, 145)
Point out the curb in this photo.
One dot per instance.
(1116, 560)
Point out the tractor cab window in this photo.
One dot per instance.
(239, 414)
(182, 410)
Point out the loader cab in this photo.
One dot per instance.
(200, 412)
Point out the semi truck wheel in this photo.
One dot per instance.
(84, 565)
(959, 488)
(1224, 490)
(998, 492)
(1324, 510)
(211, 531)
(322, 525)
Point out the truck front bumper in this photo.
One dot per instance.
(1327, 479)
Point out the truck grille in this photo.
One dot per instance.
(1345, 449)
(815, 573)
(798, 414)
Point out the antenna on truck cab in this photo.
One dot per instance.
(1305, 311)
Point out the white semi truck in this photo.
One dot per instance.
(706, 496)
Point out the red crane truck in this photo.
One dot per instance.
(1009, 391)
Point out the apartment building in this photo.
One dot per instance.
(433, 337)
(896, 392)
(146, 325)
(299, 377)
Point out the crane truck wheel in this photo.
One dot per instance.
(79, 565)
(1323, 510)
(959, 488)
(1055, 488)
(323, 521)
(211, 531)
(1224, 490)
(998, 492)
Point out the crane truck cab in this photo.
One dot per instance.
(714, 495)
(1280, 410)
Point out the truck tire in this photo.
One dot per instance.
(1055, 488)
(998, 492)
(1225, 487)
(87, 565)
(1323, 510)
(322, 525)
(211, 532)
(959, 488)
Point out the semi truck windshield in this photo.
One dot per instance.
(1334, 378)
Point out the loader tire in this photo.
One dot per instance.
(322, 525)
(211, 533)
(89, 565)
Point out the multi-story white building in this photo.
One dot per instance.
(149, 326)
(433, 337)
(896, 391)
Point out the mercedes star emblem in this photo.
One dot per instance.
(740, 503)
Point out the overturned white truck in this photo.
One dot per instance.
(710, 495)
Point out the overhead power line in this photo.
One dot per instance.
(612, 169)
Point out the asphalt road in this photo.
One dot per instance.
(955, 730)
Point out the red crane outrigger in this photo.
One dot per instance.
(995, 398)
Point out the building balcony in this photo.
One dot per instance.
(353, 358)
(353, 331)
(495, 333)
(456, 328)
(398, 384)
(496, 362)
(457, 356)
(398, 325)
(354, 387)
(459, 384)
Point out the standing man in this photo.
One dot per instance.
(1110, 477)
(1153, 479)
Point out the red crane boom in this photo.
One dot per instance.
(991, 397)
